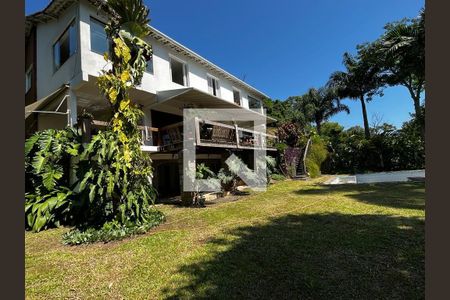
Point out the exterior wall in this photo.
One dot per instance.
(49, 80)
(161, 78)
(85, 63)
(30, 61)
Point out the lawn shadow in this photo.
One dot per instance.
(318, 256)
(405, 195)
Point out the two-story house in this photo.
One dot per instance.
(65, 43)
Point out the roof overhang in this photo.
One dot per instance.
(176, 100)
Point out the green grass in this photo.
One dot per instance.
(297, 240)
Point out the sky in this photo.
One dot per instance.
(284, 47)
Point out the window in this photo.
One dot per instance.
(65, 46)
(179, 71)
(149, 68)
(28, 78)
(254, 104)
(99, 39)
(213, 85)
(237, 96)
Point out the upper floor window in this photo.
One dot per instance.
(99, 39)
(179, 71)
(213, 86)
(254, 104)
(149, 68)
(237, 96)
(65, 46)
(28, 78)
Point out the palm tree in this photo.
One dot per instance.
(321, 104)
(361, 81)
(402, 52)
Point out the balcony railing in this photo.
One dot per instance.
(208, 134)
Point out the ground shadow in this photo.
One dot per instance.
(319, 256)
(405, 195)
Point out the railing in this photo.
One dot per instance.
(208, 134)
(214, 134)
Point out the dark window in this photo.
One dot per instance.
(237, 96)
(213, 86)
(65, 46)
(149, 68)
(178, 72)
(99, 39)
(28, 78)
(254, 104)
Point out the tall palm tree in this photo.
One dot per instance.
(361, 81)
(318, 105)
(402, 52)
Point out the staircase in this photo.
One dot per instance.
(301, 172)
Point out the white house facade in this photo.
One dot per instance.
(64, 57)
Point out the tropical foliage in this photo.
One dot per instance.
(48, 155)
(318, 105)
(110, 189)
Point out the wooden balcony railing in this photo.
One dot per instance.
(208, 134)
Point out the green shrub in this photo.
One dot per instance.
(316, 155)
(112, 231)
(48, 197)
(278, 177)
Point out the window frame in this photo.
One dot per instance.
(90, 36)
(218, 86)
(235, 89)
(258, 100)
(66, 29)
(185, 70)
(28, 83)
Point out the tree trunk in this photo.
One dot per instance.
(318, 126)
(366, 121)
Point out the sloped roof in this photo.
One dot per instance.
(56, 7)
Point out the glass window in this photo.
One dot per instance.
(213, 86)
(99, 39)
(178, 69)
(28, 78)
(237, 96)
(65, 46)
(149, 68)
(254, 104)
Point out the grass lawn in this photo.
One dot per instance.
(297, 240)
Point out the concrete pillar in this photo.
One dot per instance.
(72, 108)
(186, 197)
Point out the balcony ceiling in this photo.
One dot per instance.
(174, 101)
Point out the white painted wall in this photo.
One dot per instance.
(47, 80)
(86, 62)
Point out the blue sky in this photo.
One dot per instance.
(284, 47)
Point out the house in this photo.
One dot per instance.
(65, 43)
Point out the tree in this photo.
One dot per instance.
(321, 104)
(401, 52)
(361, 81)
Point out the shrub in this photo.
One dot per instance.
(289, 134)
(48, 197)
(316, 155)
(112, 230)
(278, 177)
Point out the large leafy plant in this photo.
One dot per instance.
(48, 156)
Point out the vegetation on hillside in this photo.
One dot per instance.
(396, 58)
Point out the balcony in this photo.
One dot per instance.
(210, 134)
